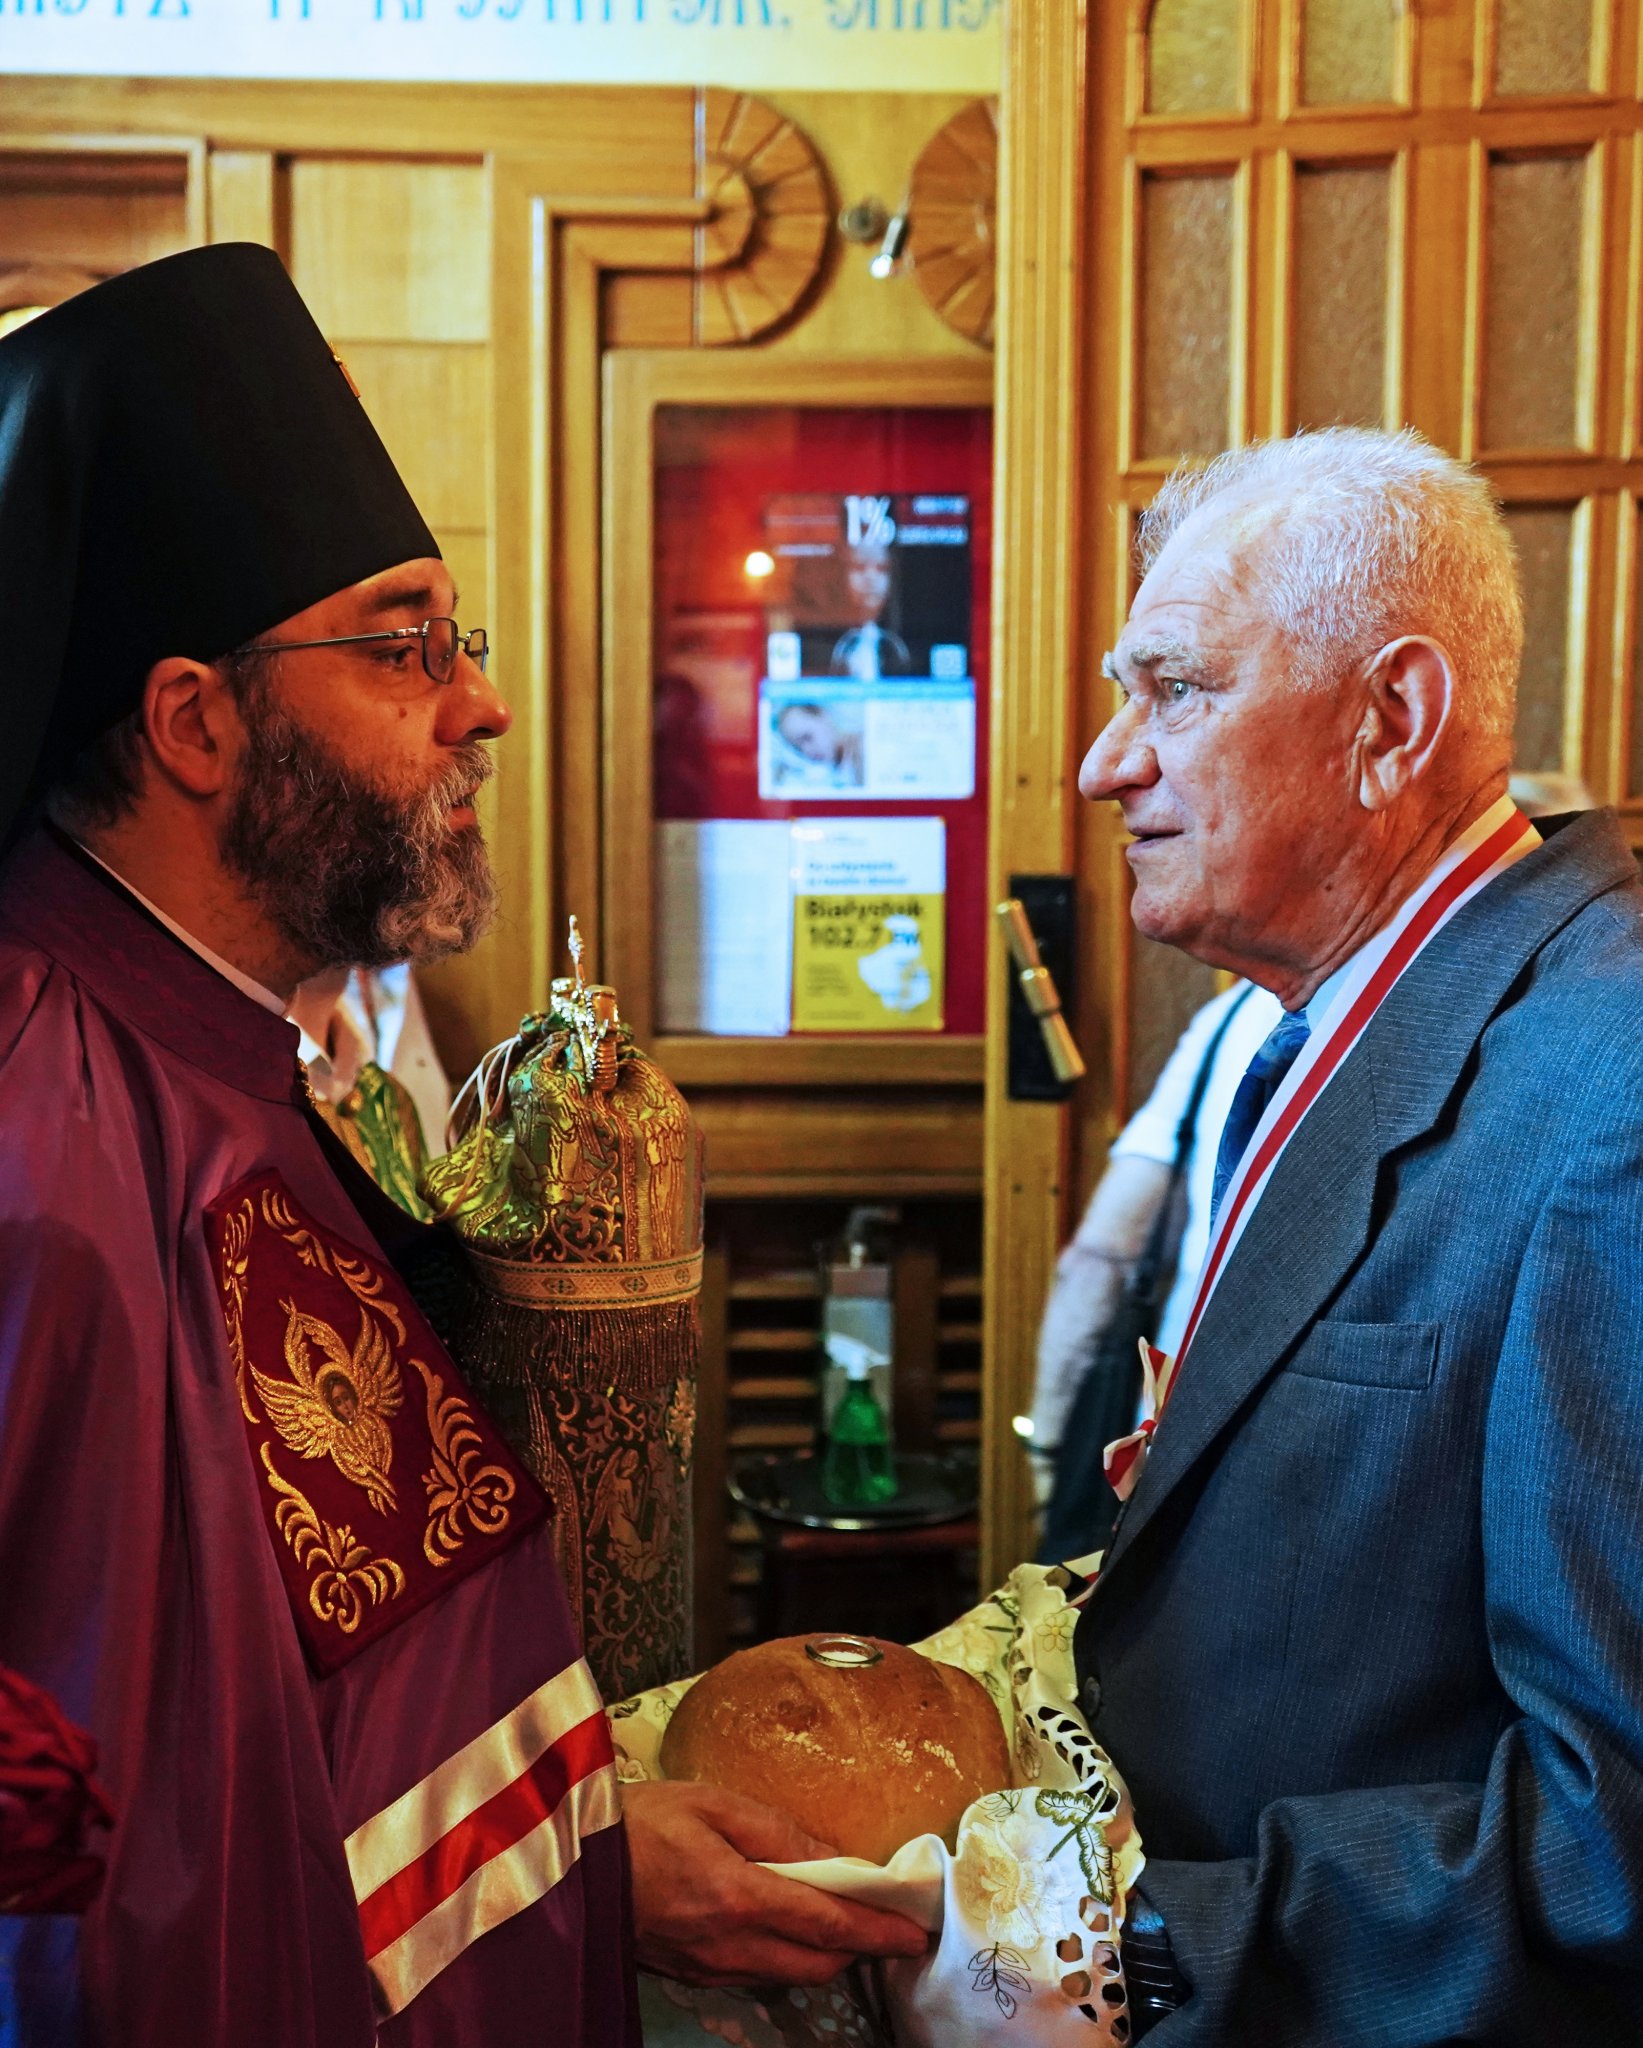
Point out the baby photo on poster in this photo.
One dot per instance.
(869, 924)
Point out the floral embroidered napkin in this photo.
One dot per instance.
(1029, 1908)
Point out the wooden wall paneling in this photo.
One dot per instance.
(936, 1060)
(1613, 768)
(1604, 756)
(1588, 699)
(392, 249)
(865, 1143)
(916, 1300)
(96, 203)
(391, 254)
(600, 138)
(1038, 649)
(1610, 773)
(247, 198)
(1266, 232)
(545, 530)
(1601, 363)
(1625, 425)
(710, 1507)
(1400, 258)
(1537, 50)
(1278, 390)
(1105, 363)
(562, 265)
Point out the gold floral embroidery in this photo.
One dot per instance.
(458, 1484)
(346, 1580)
(362, 1280)
(337, 1408)
(234, 1269)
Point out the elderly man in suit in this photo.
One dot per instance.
(1368, 1641)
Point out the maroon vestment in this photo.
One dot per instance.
(257, 1537)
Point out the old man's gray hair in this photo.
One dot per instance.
(1371, 536)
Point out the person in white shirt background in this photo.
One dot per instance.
(375, 1075)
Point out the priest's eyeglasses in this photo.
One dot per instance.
(442, 641)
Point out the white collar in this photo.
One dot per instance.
(334, 1068)
(265, 998)
(1327, 991)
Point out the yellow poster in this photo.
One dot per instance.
(869, 924)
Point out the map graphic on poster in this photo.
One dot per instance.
(868, 692)
(869, 924)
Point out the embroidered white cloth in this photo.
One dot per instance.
(1029, 1908)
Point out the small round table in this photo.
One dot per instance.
(900, 1568)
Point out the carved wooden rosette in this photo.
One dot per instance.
(951, 243)
(747, 259)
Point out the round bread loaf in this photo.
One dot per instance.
(864, 1743)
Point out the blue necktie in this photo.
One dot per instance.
(1261, 1082)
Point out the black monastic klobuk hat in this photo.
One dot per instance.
(184, 463)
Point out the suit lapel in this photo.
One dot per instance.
(1314, 1220)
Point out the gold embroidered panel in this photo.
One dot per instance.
(381, 1480)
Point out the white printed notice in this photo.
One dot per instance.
(887, 741)
(841, 45)
(724, 905)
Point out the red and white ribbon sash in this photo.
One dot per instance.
(486, 1834)
(1495, 842)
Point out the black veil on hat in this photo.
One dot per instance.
(183, 464)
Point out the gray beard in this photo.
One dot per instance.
(352, 874)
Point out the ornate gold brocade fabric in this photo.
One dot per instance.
(576, 1189)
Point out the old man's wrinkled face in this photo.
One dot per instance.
(1236, 782)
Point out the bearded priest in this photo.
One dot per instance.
(254, 1532)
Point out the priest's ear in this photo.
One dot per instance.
(191, 721)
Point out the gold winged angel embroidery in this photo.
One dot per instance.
(336, 1403)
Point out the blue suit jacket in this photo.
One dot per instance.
(1368, 1644)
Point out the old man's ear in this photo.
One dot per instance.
(1408, 690)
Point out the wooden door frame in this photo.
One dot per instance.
(1039, 636)
(637, 381)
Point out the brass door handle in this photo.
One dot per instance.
(1037, 985)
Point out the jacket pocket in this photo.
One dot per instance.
(1369, 1354)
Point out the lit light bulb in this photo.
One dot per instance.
(759, 564)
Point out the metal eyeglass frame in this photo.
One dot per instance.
(475, 644)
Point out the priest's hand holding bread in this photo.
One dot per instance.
(708, 1913)
(789, 1752)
